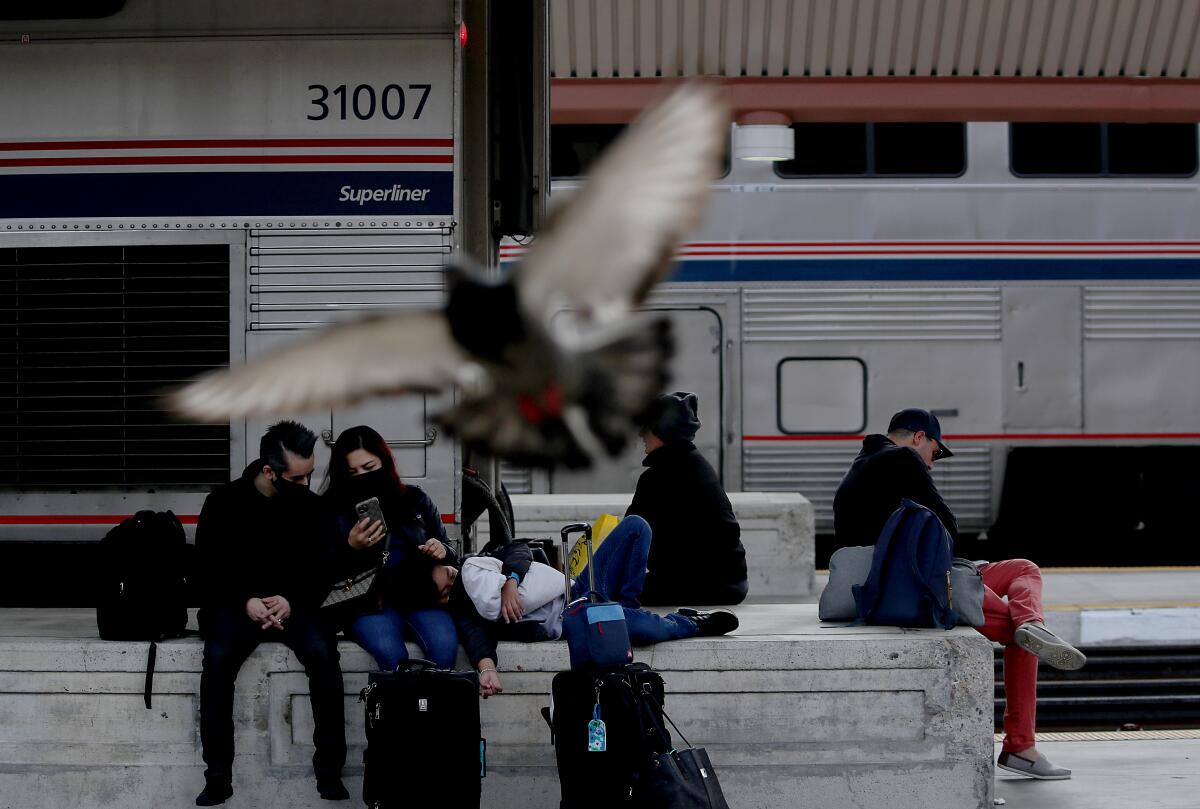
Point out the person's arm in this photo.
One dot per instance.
(516, 557)
(919, 487)
(431, 518)
(489, 678)
(477, 635)
(222, 578)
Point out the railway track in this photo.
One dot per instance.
(1120, 687)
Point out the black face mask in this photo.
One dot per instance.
(375, 483)
(288, 489)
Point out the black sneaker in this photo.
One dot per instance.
(332, 789)
(717, 622)
(216, 792)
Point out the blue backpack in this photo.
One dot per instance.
(909, 582)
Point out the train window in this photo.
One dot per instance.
(821, 395)
(574, 147)
(90, 338)
(1102, 150)
(827, 150)
(877, 150)
(1149, 150)
(1056, 149)
(920, 150)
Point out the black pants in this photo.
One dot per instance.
(229, 638)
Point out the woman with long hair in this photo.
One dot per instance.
(362, 467)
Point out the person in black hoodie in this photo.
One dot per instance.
(262, 542)
(361, 467)
(897, 466)
(697, 555)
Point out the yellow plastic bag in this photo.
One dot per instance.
(601, 528)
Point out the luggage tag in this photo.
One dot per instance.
(597, 733)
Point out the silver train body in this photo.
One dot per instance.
(1047, 313)
(275, 177)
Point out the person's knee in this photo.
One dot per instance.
(221, 659)
(318, 653)
(1028, 568)
(638, 525)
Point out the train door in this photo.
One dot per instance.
(696, 367)
(1043, 361)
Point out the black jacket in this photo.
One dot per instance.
(881, 475)
(411, 518)
(697, 544)
(478, 635)
(249, 545)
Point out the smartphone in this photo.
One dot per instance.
(372, 511)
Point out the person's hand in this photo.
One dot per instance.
(433, 548)
(278, 609)
(365, 533)
(259, 613)
(489, 683)
(512, 607)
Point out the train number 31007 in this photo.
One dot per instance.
(363, 102)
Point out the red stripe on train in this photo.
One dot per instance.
(992, 437)
(208, 160)
(226, 143)
(105, 519)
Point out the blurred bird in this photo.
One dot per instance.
(533, 388)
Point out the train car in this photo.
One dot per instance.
(183, 186)
(1031, 277)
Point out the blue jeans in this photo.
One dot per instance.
(383, 634)
(620, 570)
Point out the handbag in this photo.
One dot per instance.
(356, 593)
(678, 779)
(849, 566)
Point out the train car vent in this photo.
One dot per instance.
(89, 339)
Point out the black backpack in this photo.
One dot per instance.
(142, 582)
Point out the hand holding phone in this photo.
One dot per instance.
(371, 510)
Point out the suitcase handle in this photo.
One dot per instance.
(567, 530)
(415, 663)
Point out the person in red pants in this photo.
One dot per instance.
(896, 466)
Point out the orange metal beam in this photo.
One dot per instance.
(893, 98)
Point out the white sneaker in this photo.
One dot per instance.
(1050, 648)
(1041, 769)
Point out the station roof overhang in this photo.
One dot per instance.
(881, 60)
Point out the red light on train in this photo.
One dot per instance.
(462, 34)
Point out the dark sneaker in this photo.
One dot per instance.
(1041, 769)
(216, 792)
(717, 622)
(332, 789)
(1049, 648)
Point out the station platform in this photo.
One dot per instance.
(790, 711)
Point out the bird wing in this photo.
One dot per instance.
(381, 355)
(614, 240)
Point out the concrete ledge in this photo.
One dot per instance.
(777, 531)
(792, 713)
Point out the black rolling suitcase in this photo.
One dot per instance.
(592, 778)
(424, 746)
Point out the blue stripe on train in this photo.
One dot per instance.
(1074, 268)
(223, 194)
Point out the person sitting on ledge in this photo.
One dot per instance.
(896, 466)
(508, 596)
(697, 556)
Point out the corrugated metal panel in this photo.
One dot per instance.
(816, 471)
(306, 279)
(626, 38)
(90, 338)
(517, 479)
(1141, 313)
(882, 313)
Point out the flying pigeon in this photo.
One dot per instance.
(533, 388)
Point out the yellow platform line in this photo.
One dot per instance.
(1112, 735)
(1122, 605)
